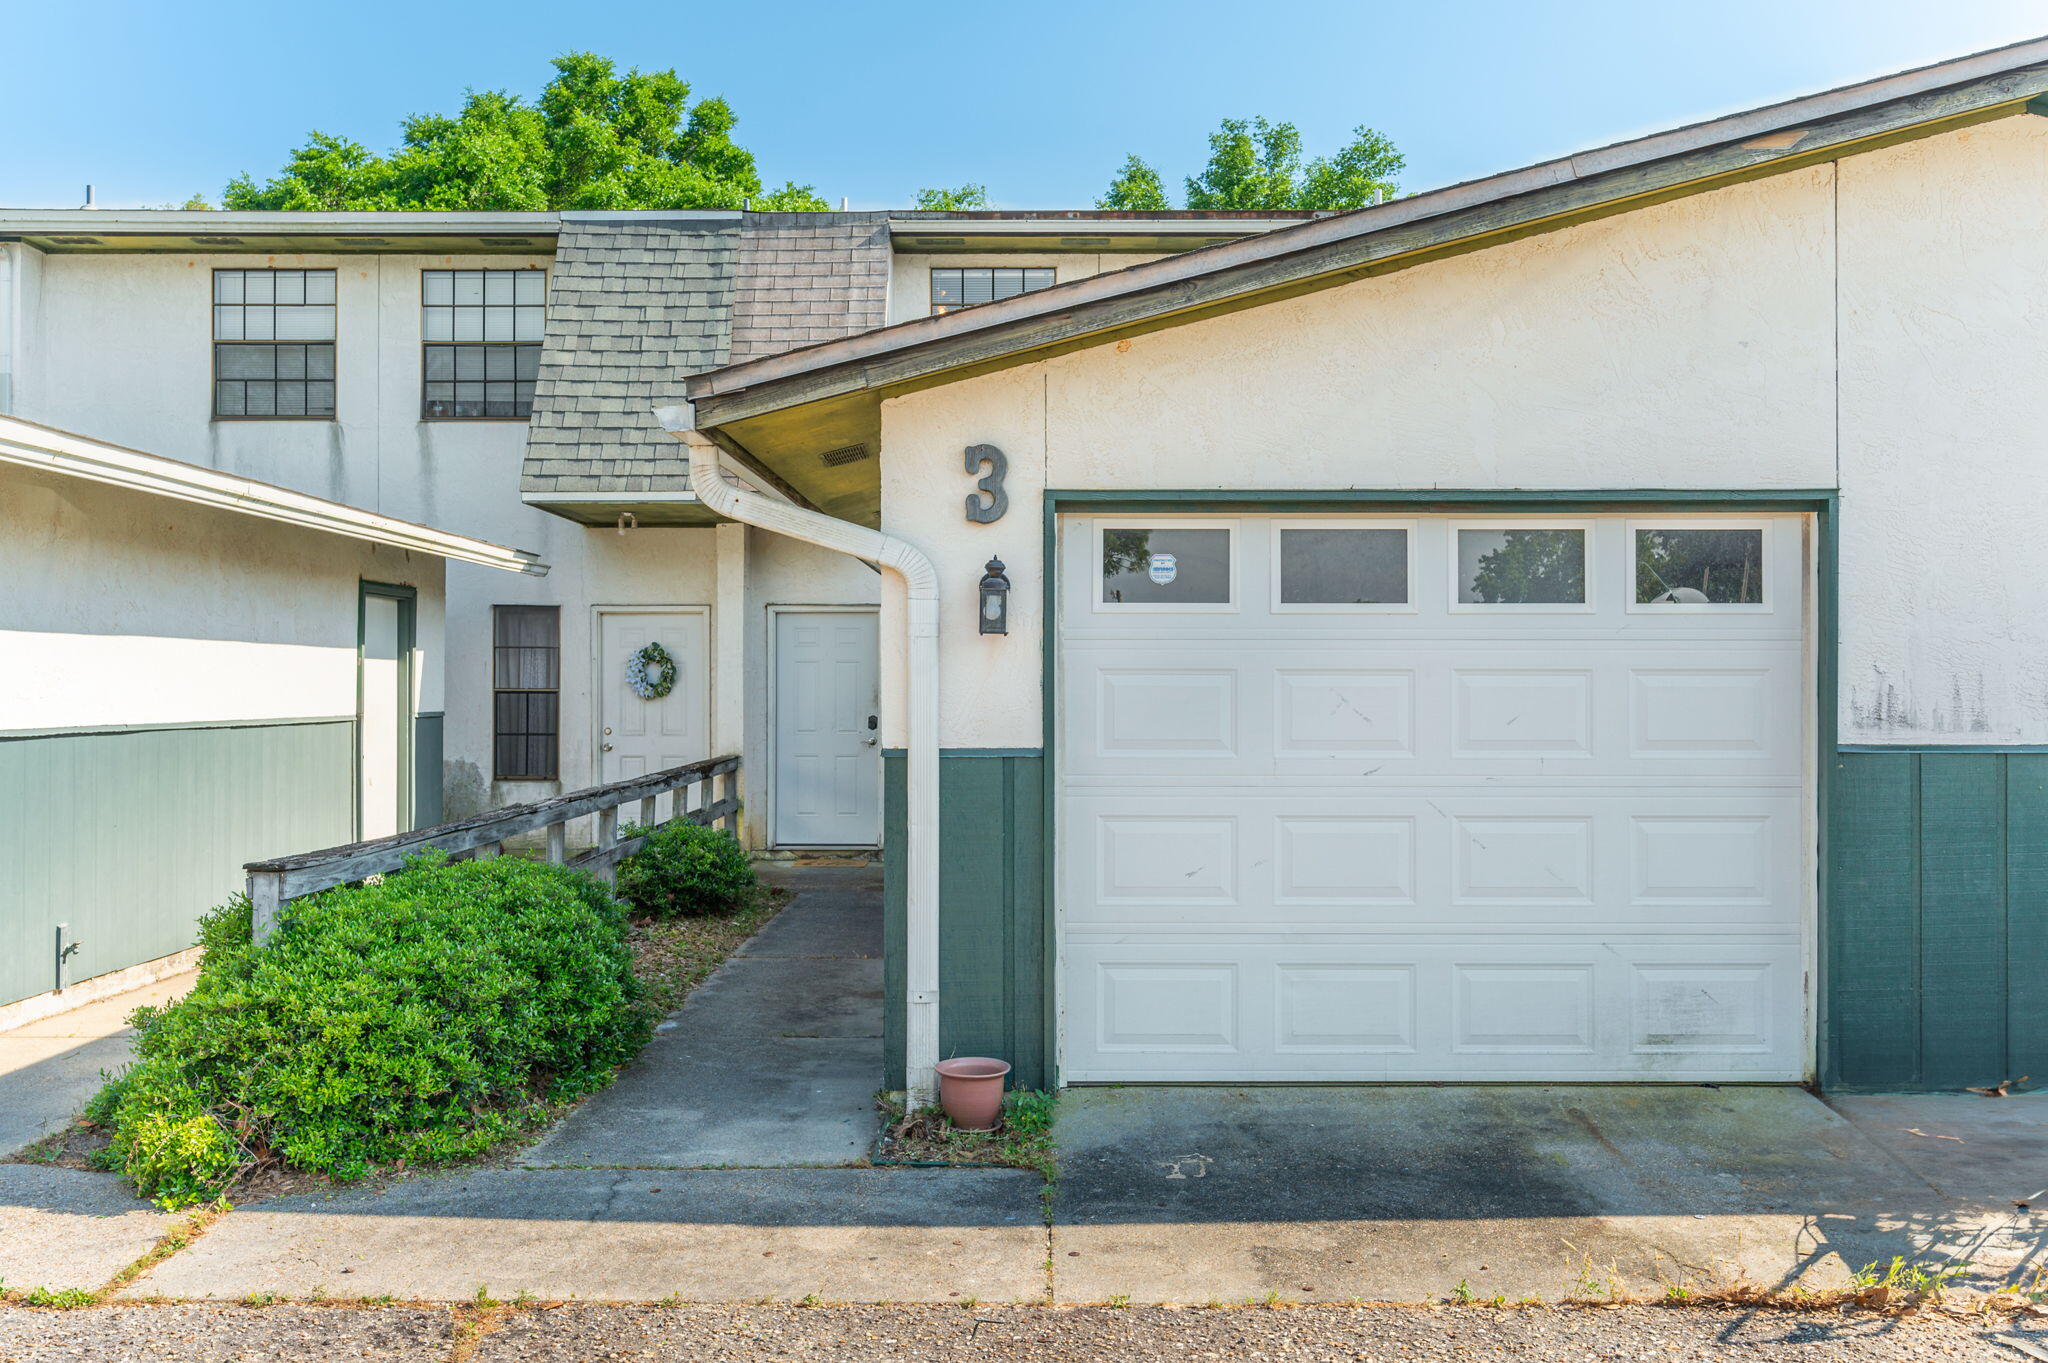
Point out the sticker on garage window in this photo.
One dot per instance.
(1165, 566)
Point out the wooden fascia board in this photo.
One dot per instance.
(1545, 208)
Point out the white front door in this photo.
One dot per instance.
(828, 768)
(383, 714)
(637, 734)
(1430, 797)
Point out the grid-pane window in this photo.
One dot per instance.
(982, 284)
(273, 343)
(526, 691)
(482, 332)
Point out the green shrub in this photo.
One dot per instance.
(686, 869)
(422, 1018)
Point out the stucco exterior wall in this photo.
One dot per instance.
(124, 609)
(1693, 344)
(910, 276)
(119, 347)
(1944, 311)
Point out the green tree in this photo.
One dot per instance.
(963, 199)
(1532, 566)
(594, 139)
(1136, 189)
(1257, 165)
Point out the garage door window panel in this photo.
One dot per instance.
(1343, 566)
(1681, 567)
(1530, 566)
(1166, 566)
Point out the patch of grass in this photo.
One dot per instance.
(63, 1299)
(1023, 1140)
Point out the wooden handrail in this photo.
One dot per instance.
(275, 882)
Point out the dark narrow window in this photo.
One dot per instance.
(480, 332)
(965, 287)
(273, 344)
(526, 691)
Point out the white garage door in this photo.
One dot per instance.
(1473, 798)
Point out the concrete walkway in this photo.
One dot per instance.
(773, 1061)
(48, 1069)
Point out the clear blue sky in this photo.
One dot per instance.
(152, 101)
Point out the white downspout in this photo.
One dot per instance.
(921, 585)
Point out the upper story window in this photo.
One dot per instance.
(964, 287)
(481, 330)
(273, 344)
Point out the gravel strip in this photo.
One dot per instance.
(218, 1334)
(879, 1334)
(1026, 1335)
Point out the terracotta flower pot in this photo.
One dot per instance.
(971, 1091)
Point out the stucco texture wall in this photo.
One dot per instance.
(1694, 344)
(124, 609)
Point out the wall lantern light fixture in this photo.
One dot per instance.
(995, 599)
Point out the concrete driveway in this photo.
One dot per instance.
(1325, 1194)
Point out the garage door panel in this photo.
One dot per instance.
(1572, 861)
(1487, 1012)
(1424, 843)
(1590, 712)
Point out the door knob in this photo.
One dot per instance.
(607, 747)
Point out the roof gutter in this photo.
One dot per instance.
(921, 588)
(42, 447)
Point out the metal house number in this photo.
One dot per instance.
(990, 483)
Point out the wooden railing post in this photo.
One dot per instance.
(558, 843)
(648, 818)
(266, 903)
(607, 834)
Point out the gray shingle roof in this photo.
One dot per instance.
(633, 306)
(807, 277)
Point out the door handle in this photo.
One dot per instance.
(607, 747)
(873, 737)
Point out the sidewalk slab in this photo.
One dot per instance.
(700, 1235)
(67, 1228)
(1401, 1193)
(50, 1067)
(772, 1062)
(691, 1103)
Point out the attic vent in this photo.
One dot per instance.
(845, 454)
(1084, 241)
(941, 241)
(505, 241)
(371, 241)
(74, 241)
(217, 241)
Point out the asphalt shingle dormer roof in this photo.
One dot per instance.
(634, 304)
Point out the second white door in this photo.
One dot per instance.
(641, 734)
(828, 769)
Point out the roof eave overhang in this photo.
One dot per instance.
(1398, 235)
(29, 445)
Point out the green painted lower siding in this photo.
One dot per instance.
(992, 947)
(426, 769)
(1937, 950)
(130, 835)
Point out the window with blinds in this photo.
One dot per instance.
(273, 344)
(982, 284)
(481, 332)
(526, 692)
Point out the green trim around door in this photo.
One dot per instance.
(408, 643)
(1823, 504)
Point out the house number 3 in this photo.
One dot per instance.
(990, 484)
